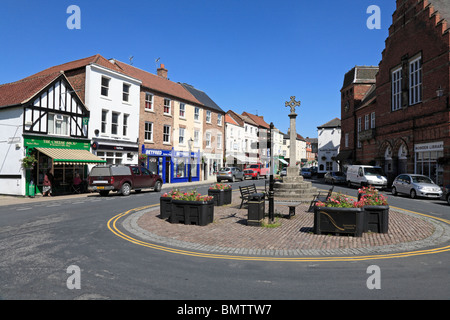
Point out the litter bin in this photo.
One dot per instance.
(31, 189)
(256, 209)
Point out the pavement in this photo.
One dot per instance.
(229, 234)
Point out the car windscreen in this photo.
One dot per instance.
(421, 179)
(255, 166)
(339, 174)
(373, 171)
(224, 169)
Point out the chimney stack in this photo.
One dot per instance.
(162, 72)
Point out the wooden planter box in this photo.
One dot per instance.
(165, 209)
(221, 197)
(376, 219)
(339, 220)
(192, 212)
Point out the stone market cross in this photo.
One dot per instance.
(293, 136)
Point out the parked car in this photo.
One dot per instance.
(122, 178)
(366, 176)
(230, 174)
(446, 193)
(305, 172)
(254, 171)
(416, 185)
(334, 177)
(283, 172)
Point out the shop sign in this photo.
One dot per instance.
(433, 146)
(158, 153)
(45, 142)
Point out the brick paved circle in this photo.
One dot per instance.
(230, 234)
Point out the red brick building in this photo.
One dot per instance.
(410, 128)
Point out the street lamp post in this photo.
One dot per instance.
(190, 141)
(271, 192)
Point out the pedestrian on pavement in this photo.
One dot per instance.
(48, 182)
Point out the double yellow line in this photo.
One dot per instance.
(112, 225)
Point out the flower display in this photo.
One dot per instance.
(340, 201)
(220, 186)
(369, 196)
(187, 196)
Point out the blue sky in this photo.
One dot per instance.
(247, 55)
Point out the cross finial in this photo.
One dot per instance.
(292, 104)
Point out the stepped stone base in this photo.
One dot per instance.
(294, 188)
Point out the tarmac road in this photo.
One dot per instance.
(40, 240)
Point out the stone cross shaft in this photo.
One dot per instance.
(293, 136)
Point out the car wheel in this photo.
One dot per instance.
(257, 176)
(413, 194)
(158, 186)
(218, 180)
(448, 199)
(394, 191)
(126, 189)
(233, 179)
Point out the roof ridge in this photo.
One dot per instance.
(31, 78)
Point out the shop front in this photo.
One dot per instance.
(426, 160)
(173, 166)
(63, 158)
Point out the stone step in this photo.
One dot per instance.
(284, 185)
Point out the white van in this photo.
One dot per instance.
(366, 176)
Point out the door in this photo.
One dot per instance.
(167, 170)
(148, 179)
(137, 178)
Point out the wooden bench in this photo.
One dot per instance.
(320, 197)
(246, 191)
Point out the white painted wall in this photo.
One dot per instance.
(11, 151)
(95, 102)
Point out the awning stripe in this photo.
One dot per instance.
(71, 156)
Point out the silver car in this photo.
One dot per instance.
(416, 185)
(230, 174)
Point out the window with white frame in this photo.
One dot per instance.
(208, 116)
(219, 141)
(397, 89)
(148, 101)
(208, 140)
(104, 120)
(372, 120)
(125, 124)
(58, 124)
(219, 119)
(115, 123)
(166, 133)
(182, 110)
(167, 106)
(196, 138)
(105, 86)
(181, 135)
(148, 131)
(415, 81)
(366, 122)
(126, 92)
(197, 114)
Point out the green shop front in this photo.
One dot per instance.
(63, 157)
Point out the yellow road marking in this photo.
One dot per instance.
(113, 228)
